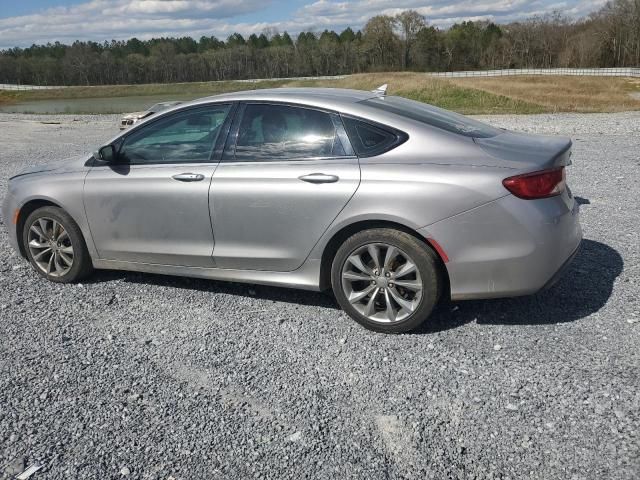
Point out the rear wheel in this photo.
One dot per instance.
(387, 280)
(55, 246)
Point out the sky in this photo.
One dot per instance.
(25, 22)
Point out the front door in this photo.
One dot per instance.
(286, 173)
(152, 206)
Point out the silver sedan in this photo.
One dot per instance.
(394, 204)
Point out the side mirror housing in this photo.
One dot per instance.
(106, 154)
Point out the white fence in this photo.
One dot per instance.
(6, 86)
(255, 80)
(589, 72)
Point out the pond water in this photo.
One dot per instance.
(92, 105)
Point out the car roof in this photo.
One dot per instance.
(330, 98)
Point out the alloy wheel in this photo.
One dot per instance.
(50, 246)
(382, 282)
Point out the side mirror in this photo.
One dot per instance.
(106, 154)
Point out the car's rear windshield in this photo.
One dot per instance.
(434, 116)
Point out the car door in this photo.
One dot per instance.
(152, 204)
(286, 173)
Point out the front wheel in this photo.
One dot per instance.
(55, 246)
(386, 280)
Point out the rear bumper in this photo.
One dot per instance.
(508, 247)
(561, 271)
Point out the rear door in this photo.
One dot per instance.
(286, 173)
(152, 206)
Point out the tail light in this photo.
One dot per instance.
(542, 184)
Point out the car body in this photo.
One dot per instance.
(261, 207)
(131, 118)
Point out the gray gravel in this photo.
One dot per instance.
(142, 376)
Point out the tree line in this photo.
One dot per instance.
(609, 37)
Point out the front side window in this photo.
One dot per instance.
(279, 132)
(182, 137)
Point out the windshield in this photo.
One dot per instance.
(434, 116)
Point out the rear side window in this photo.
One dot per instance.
(369, 140)
(280, 132)
(434, 116)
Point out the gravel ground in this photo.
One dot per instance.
(142, 376)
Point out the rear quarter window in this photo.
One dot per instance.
(369, 140)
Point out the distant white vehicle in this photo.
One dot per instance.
(131, 118)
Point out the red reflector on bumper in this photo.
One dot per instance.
(436, 246)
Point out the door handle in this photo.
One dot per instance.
(188, 177)
(319, 178)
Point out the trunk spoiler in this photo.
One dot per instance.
(530, 152)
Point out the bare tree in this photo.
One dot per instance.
(381, 42)
(410, 23)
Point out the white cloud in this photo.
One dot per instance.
(101, 20)
(441, 13)
(120, 19)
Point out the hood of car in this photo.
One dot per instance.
(70, 164)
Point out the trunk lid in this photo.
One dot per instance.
(526, 151)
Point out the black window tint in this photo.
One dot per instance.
(434, 116)
(182, 137)
(369, 140)
(278, 132)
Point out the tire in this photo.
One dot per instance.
(412, 293)
(55, 246)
